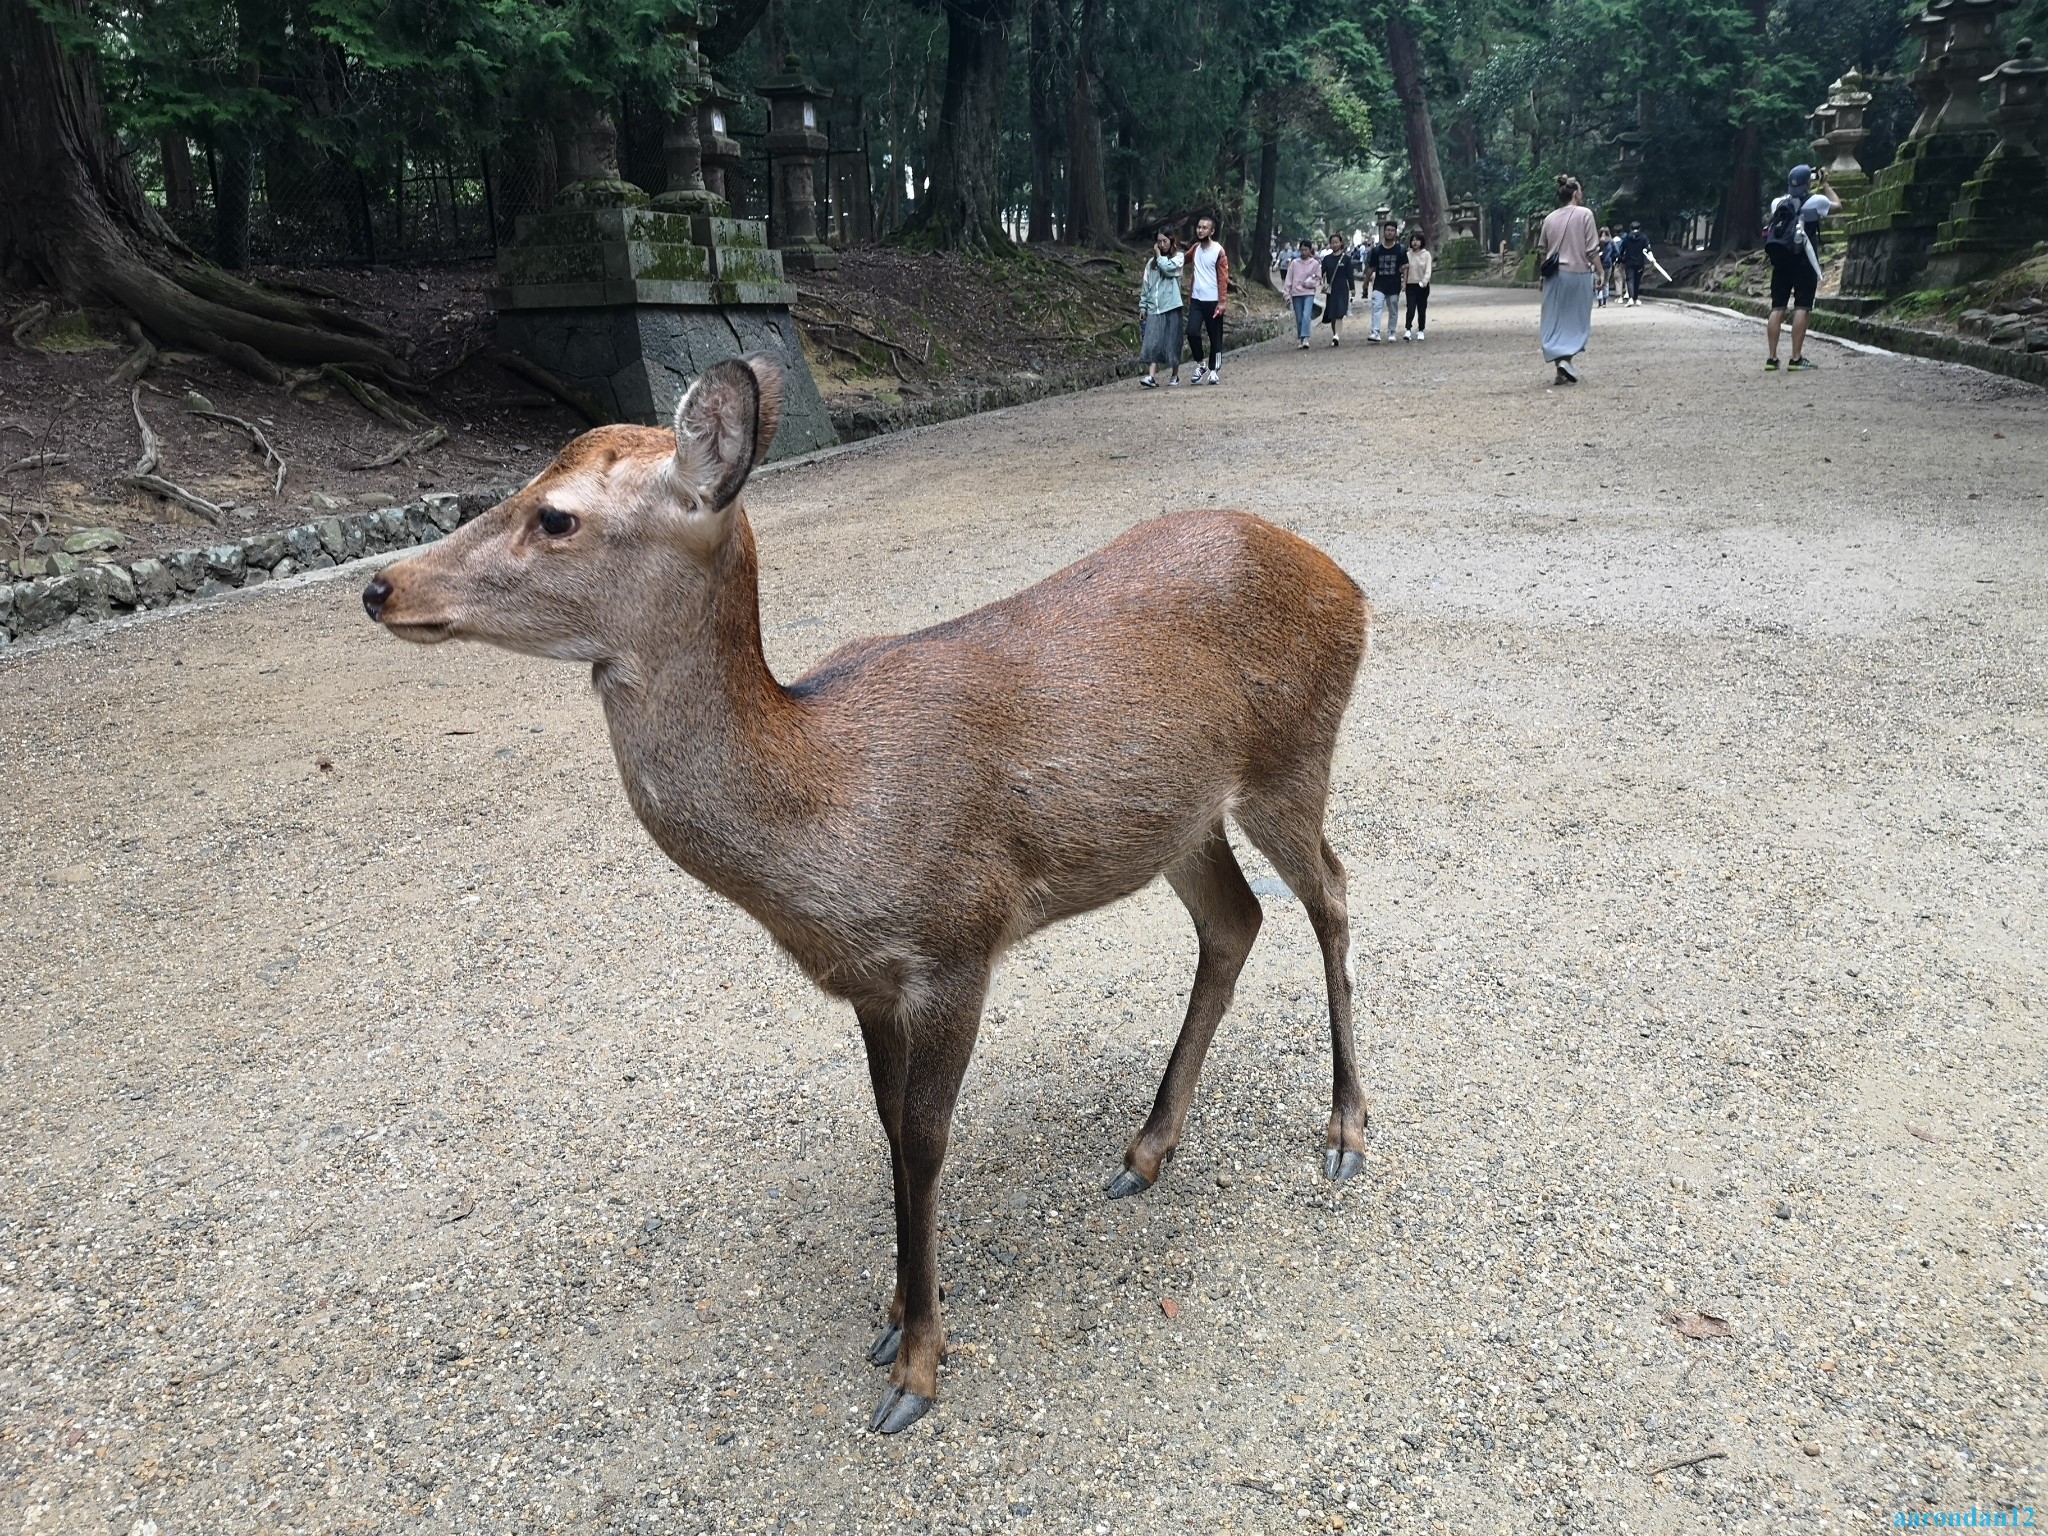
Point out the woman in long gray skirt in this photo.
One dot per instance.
(1159, 312)
(1570, 243)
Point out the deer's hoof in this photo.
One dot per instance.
(1339, 1165)
(898, 1411)
(1127, 1182)
(884, 1349)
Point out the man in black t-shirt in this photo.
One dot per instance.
(1389, 265)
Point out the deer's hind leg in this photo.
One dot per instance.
(1227, 916)
(1288, 829)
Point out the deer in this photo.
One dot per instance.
(914, 805)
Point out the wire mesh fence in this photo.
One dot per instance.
(438, 208)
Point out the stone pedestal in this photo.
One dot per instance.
(629, 305)
(681, 147)
(1895, 228)
(2004, 206)
(1462, 254)
(794, 145)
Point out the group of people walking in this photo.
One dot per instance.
(1392, 270)
(1580, 259)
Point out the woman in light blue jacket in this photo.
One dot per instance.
(1159, 311)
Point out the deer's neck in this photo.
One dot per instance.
(727, 772)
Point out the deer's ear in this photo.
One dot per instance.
(767, 374)
(717, 428)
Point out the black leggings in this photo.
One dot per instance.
(1635, 281)
(1202, 317)
(1418, 306)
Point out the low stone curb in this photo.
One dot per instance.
(95, 591)
(863, 422)
(2030, 367)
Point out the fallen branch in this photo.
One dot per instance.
(427, 439)
(144, 476)
(37, 461)
(527, 369)
(32, 317)
(256, 437)
(1687, 1461)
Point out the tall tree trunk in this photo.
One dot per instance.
(73, 214)
(1088, 221)
(180, 196)
(1742, 206)
(1405, 59)
(1260, 263)
(962, 210)
(237, 159)
(1044, 123)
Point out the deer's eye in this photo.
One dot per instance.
(556, 524)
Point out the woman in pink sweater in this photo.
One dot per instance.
(1304, 274)
(1571, 255)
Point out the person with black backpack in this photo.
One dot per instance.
(1792, 242)
(1634, 253)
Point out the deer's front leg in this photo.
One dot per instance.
(887, 1059)
(938, 1039)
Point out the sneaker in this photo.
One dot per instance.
(1566, 373)
(1174, 382)
(1215, 376)
(1336, 341)
(1198, 373)
(1770, 365)
(1148, 383)
(1421, 335)
(1372, 335)
(1801, 365)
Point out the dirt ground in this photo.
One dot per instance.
(887, 327)
(393, 1141)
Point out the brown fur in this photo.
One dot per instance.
(916, 804)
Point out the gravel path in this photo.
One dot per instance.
(392, 1140)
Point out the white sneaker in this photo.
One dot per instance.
(1215, 376)
(1421, 335)
(1198, 373)
(1407, 335)
(1372, 335)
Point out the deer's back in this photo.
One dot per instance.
(1091, 728)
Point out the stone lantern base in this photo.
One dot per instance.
(2003, 211)
(630, 305)
(1908, 200)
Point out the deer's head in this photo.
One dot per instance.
(628, 525)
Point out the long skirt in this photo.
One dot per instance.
(1567, 315)
(1162, 338)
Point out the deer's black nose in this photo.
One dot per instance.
(375, 595)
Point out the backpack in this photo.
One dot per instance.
(1785, 231)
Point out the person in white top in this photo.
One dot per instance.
(1420, 264)
(1209, 293)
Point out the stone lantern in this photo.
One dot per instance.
(628, 303)
(1901, 216)
(681, 147)
(718, 149)
(2004, 207)
(794, 145)
(1971, 49)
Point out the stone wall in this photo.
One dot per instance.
(100, 589)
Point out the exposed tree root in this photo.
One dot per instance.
(198, 406)
(432, 437)
(138, 362)
(25, 324)
(527, 369)
(144, 475)
(37, 461)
